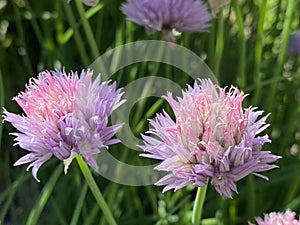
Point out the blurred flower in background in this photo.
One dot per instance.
(216, 5)
(277, 218)
(213, 138)
(294, 45)
(168, 15)
(89, 2)
(65, 115)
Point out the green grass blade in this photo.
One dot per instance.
(241, 79)
(79, 205)
(78, 39)
(291, 7)
(10, 193)
(44, 196)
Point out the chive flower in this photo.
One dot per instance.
(213, 138)
(278, 218)
(168, 15)
(64, 115)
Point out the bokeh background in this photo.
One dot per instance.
(246, 46)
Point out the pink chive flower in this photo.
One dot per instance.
(277, 218)
(213, 138)
(166, 15)
(64, 115)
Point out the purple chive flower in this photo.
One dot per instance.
(294, 45)
(274, 218)
(64, 115)
(213, 138)
(166, 15)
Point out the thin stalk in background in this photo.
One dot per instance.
(99, 24)
(129, 35)
(15, 185)
(251, 196)
(58, 213)
(258, 52)
(95, 190)
(9, 195)
(211, 45)
(88, 30)
(291, 7)
(92, 216)
(78, 40)
(241, 76)
(294, 204)
(112, 189)
(186, 41)
(64, 37)
(1, 103)
(198, 205)
(141, 104)
(219, 45)
(35, 26)
(42, 200)
(292, 191)
(21, 36)
(79, 205)
(268, 82)
(91, 38)
(117, 56)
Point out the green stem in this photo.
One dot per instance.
(79, 205)
(36, 211)
(95, 190)
(117, 56)
(92, 216)
(148, 87)
(113, 188)
(21, 35)
(87, 29)
(9, 193)
(291, 7)
(211, 46)
(186, 41)
(258, 51)
(198, 205)
(251, 203)
(64, 36)
(219, 45)
(241, 78)
(77, 36)
(35, 26)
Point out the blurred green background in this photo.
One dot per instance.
(245, 46)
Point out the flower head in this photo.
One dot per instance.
(294, 44)
(64, 115)
(166, 15)
(213, 138)
(287, 218)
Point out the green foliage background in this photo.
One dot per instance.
(245, 46)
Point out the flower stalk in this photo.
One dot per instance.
(95, 190)
(198, 205)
